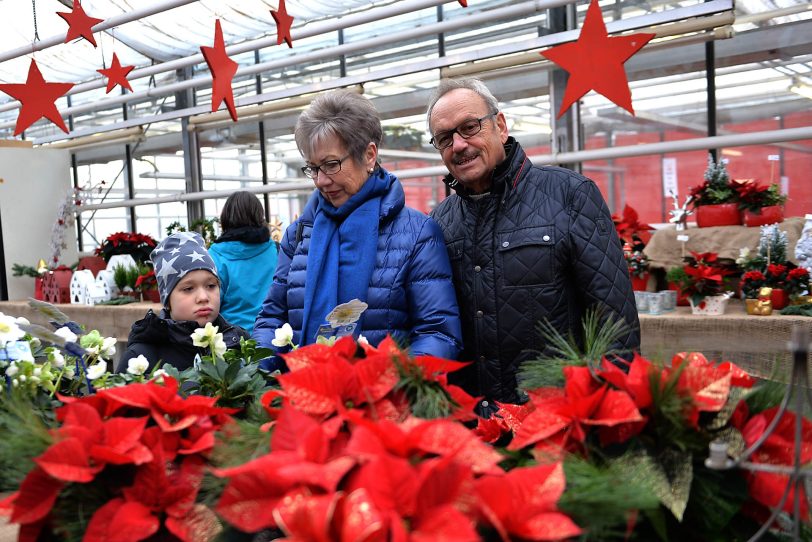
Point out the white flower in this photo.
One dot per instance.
(12, 369)
(137, 366)
(96, 371)
(204, 336)
(37, 371)
(158, 376)
(218, 346)
(66, 334)
(108, 348)
(9, 330)
(23, 321)
(362, 340)
(56, 358)
(283, 336)
(346, 313)
(22, 378)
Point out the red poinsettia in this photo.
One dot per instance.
(162, 437)
(767, 488)
(561, 417)
(631, 230)
(136, 244)
(705, 276)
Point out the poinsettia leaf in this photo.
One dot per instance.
(444, 481)
(446, 524)
(547, 526)
(514, 415)
(359, 520)
(81, 415)
(448, 438)
(768, 488)
(297, 431)
(433, 366)
(200, 524)
(739, 377)
(708, 386)
(167, 426)
(376, 377)
(306, 517)
(136, 455)
(322, 475)
(67, 460)
(248, 501)
(668, 477)
(313, 354)
(617, 407)
(36, 496)
(392, 483)
(121, 521)
(541, 424)
(490, 429)
(317, 389)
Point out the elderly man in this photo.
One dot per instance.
(527, 243)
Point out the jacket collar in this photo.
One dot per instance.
(505, 174)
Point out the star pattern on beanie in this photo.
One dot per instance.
(175, 257)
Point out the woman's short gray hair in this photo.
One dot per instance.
(343, 114)
(470, 83)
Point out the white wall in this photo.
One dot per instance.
(34, 183)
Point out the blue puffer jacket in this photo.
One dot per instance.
(410, 293)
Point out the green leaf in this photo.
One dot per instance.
(668, 477)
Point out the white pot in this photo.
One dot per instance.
(712, 305)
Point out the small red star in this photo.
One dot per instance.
(116, 74)
(80, 24)
(37, 99)
(463, 3)
(283, 22)
(222, 72)
(595, 61)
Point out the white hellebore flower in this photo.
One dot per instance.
(23, 321)
(137, 366)
(203, 336)
(158, 376)
(218, 345)
(283, 336)
(56, 358)
(9, 330)
(97, 370)
(108, 349)
(66, 334)
(12, 369)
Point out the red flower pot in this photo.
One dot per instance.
(766, 215)
(640, 284)
(38, 295)
(722, 214)
(779, 299)
(151, 295)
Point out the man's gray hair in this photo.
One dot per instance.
(470, 83)
(343, 114)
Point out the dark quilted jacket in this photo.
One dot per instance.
(410, 293)
(540, 245)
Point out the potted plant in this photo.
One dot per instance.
(147, 284)
(787, 281)
(704, 285)
(630, 230)
(638, 269)
(137, 245)
(716, 201)
(760, 204)
(677, 278)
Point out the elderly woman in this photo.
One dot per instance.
(356, 239)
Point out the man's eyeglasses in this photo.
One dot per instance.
(467, 129)
(328, 167)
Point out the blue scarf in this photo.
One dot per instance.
(343, 248)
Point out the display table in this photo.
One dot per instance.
(756, 343)
(109, 320)
(665, 252)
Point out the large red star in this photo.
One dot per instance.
(37, 99)
(595, 61)
(222, 72)
(283, 22)
(116, 74)
(80, 24)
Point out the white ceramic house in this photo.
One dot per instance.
(96, 292)
(78, 286)
(106, 280)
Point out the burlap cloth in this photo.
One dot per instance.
(758, 344)
(665, 252)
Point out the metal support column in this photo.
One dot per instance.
(710, 77)
(191, 150)
(128, 173)
(74, 168)
(263, 147)
(567, 136)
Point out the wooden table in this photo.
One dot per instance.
(758, 344)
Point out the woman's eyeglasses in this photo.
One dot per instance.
(467, 129)
(328, 167)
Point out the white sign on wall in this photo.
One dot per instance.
(670, 177)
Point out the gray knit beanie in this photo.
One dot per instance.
(176, 256)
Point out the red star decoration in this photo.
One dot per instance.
(116, 74)
(595, 61)
(463, 3)
(222, 72)
(37, 99)
(283, 22)
(80, 24)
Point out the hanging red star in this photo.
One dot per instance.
(463, 3)
(595, 61)
(37, 99)
(80, 24)
(283, 22)
(222, 72)
(116, 74)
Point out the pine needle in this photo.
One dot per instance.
(427, 399)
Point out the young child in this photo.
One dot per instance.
(190, 293)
